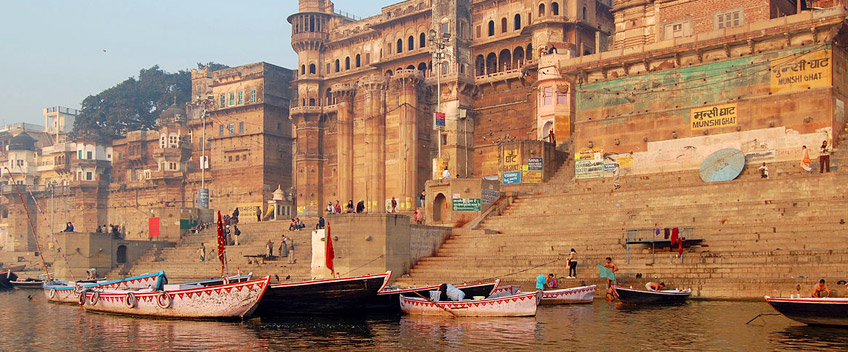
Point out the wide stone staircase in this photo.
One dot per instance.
(182, 262)
(759, 236)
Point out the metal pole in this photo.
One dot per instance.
(203, 150)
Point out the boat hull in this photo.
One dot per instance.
(234, 300)
(69, 292)
(631, 296)
(812, 311)
(520, 305)
(575, 295)
(330, 296)
(6, 278)
(388, 301)
(28, 284)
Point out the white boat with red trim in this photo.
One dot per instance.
(582, 294)
(519, 305)
(232, 300)
(58, 291)
(812, 311)
(387, 300)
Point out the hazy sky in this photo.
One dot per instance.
(57, 52)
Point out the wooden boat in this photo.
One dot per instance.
(218, 281)
(58, 291)
(328, 296)
(29, 283)
(582, 294)
(631, 296)
(233, 300)
(6, 278)
(520, 305)
(388, 301)
(812, 311)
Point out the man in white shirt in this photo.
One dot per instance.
(446, 174)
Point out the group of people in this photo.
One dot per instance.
(113, 229)
(824, 158)
(348, 209)
(296, 225)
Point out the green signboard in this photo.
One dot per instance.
(466, 204)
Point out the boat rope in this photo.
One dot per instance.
(361, 266)
(50, 227)
(29, 219)
(524, 270)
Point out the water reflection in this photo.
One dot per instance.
(695, 326)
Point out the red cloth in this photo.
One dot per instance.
(222, 244)
(674, 235)
(329, 254)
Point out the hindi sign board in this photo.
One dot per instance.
(587, 169)
(535, 163)
(466, 204)
(532, 172)
(586, 154)
(512, 177)
(713, 116)
(802, 72)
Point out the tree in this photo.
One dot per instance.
(133, 104)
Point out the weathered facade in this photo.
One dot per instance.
(367, 91)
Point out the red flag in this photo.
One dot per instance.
(329, 253)
(222, 244)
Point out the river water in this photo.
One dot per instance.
(27, 325)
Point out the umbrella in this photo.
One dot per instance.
(723, 165)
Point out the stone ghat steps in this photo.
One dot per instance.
(182, 263)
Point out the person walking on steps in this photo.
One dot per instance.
(572, 264)
(202, 252)
(290, 244)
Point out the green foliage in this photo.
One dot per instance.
(134, 104)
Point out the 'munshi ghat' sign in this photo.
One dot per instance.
(713, 116)
(801, 71)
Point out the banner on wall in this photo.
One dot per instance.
(562, 126)
(466, 204)
(511, 166)
(532, 172)
(801, 72)
(713, 116)
(587, 154)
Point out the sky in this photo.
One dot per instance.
(58, 52)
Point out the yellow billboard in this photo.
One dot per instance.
(801, 72)
(713, 116)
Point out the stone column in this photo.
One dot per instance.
(309, 160)
(405, 85)
(344, 94)
(375, 142)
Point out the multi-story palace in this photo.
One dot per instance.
(367, 90)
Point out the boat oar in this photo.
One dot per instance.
(759, 316)
(446, 309)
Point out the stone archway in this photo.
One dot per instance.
(438, 204)
(546, 129)
(121, 255)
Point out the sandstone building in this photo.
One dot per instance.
(367, 90)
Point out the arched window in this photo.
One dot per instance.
(410, 43)
(358, 60)
(517, 22)
(503, 25)
(422, 40)
(389, 73)
(311, 101)
(584, 13)
(555, 8)
(541, 10)
(491, 28)
(347, 63)
(312, 69)
(303, 69)
(422, 67)
(399, 46)
(480, 65)
(337, 65)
